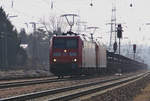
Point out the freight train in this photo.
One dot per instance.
(80, 55)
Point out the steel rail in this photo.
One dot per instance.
(31, 82)
(21, 78)
(35, 95)
(26, 83)
(73, 95)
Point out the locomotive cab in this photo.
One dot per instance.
(64, 55)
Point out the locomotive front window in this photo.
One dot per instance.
(71, 43)
(59, 43)
(65, 43)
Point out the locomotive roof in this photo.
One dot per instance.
(66, 36)
(82, 37)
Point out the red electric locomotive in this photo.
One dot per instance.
(65, 55)
(76, 55)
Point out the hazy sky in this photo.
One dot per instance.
(133, 18)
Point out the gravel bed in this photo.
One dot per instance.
(18, 75)
(8, 92)
(27, 80)
(144, 95)
(125, 93)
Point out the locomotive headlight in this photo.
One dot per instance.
(65, 50)
(54, 60)
(75, 60)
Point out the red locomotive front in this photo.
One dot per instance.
(65, 56)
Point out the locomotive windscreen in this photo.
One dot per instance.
(67, 43)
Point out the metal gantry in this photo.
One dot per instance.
(113, 28)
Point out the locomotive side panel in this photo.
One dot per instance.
(88, 55)
(102, 62)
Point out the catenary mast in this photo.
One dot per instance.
(113, 27)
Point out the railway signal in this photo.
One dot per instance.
(119, 34)
(119, 31)
(134, 50)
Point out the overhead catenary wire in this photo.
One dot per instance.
(12, 4)
(131, 4)
(91, 4)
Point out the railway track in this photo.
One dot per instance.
(40, 81)
(37, 81)
(30, 82)
(3, 79)
(69, 93)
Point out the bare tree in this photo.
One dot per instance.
(54, 24)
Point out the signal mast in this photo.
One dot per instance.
(113, 29)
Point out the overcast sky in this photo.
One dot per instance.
(134, 18)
